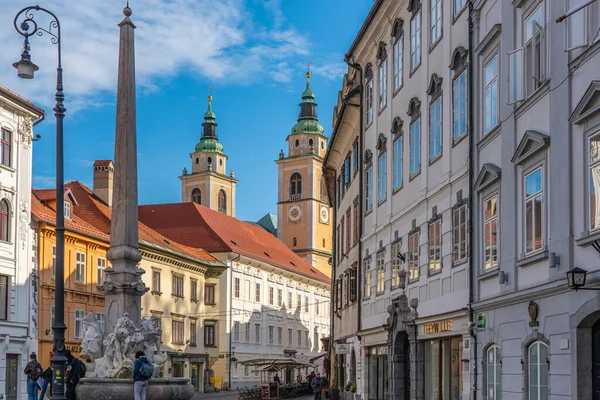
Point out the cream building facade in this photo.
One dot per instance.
(18, 272)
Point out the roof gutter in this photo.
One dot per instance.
(364, 27)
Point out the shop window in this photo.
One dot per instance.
(3, 297)
(494, 373)
(443, 369)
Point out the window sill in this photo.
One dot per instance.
(382, 109)
(489, 274)
(9, 169)
(195, 300)
(380, 202)
(458, 14)
(210, 346)
(396, 91)
(156, 292)
(431, 273)
(437, 41)
(459, 263)
(587, 238)
(459, 139)
(435, 158)
(411, 281)
(531, 258)
(413, 176)
(488, 137)
(396, 190)
(193, 345)
(176, 297)
(177, 343)
(210, 304)
(368, 211)
(412, 71)
(532, 99)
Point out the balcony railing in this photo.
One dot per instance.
(295, 197)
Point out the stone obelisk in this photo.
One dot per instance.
(123, 286)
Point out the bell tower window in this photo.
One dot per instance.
(295, 187)
(197, 196)
(222, 202)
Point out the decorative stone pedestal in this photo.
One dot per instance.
(122, 389)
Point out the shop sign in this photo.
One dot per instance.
(438, 327)
(197, 360)
(481, 321)
(382, 351)
(342, 348)
(221, 355)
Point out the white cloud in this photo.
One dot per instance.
(43, 182)
(330, 70)
(220, 40)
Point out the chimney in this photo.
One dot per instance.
(103, 180)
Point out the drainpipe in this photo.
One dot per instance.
(333, 284)
(471, 106)
(231, 320)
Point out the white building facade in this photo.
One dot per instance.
(18, 269)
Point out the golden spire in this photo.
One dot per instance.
(210, 89)
(308, 69)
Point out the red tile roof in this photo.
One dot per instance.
(102, 163)
(195, 225)
(45, 194)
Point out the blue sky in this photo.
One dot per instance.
(253, 53)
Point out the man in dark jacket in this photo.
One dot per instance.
(74, 373)
(140, 386)
(47, 379)
(317, 386)
(33, 370)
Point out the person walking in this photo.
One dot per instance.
(142, 372)
(47, 377)
(33, 370)
(276, 379)
(75, 371)
(317, 386)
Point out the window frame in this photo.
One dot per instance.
(490, 85)
(236, 287)
(590, 167)
(67, 209)
(459, 10)
(464, 116)
(355, 161)
(5, 220)
(210, 334)
(539, 364)
(369, 189)
(100, 268)
(196, 195)
(257, 292)
(456, 231)
(380, 265)
(415, 150)
(415, 41)
(395, 250)
(5, 283)
(487, 221)
(6, 147)
(398, 148)
(178, 282)
(210, 294)
(367, 278)
(193, 332)
(435, 137)
(78, 329)
(222, 201)
(526, 199)
(53, 265)
(382, 178)
(382, 77)
(194, 290)
(414, 270)
(369, 97)
(155, 281)
(398, 67)
(437, 25)
(295, 186)
(80, 265)
(356, 216)
(434, 244)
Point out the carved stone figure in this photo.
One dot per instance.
(92, 338)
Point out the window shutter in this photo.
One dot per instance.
(515, 76)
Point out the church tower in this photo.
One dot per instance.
(208, 183)
(304, 216)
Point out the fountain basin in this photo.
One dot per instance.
(122, 389)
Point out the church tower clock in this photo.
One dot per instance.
(208, 183)
(304, 215)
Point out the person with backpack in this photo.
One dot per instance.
(33, 370)
(75, 371)
(142, 372)
(47, 377)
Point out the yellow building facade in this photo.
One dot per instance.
(208, 183)
(304, 215)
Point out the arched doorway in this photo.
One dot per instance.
(596, 360)
(401, 367)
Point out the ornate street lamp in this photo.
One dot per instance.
(576, 279)
(27, 27)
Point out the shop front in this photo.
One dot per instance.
(377, 372)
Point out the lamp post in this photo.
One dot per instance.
(28, 27)
(576, 279)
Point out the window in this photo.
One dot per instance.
(459, 106)
(178, 285)
(246, 370)
(156, 281)
(271, 295)
(382, 178)
(367, 263)
(290, 337)
(534, 46)
(67, 209)
(271, 334)
(395, 264)
(458, 7)
(494, 373)
(194, 289)
(209, 294)
(295, 187)
(257, 293)
(316, 339)
(100, 267)
(279, 297)
(355, 158)
(383, 81)
(538, 371)
(279, 335)
(236, 331)
(594, 185)
(53, 266)
(317, 305)
(342, 250)
(398, 162)
(209, 334)
(101, 319)
(247, 333)
(352, 283)
(4, 298)
(80, 267)
(339, 288)
(577, 27)
(355, 211)
(299, 304)
(79, 316)
(415, 147)
(193, 333)
(459, 235)
(5, 143)
(443, 368)
(299, 338)
(197, 196)
(52, 319)
(413, 256)
(158, 325)
(380, 272)
(435, 245)
(306, 305)
(436, 20)
(490, 231)
(369, 96)
(306, 344)
(398, 63)
(256, 333)
(415, 41)
(289, 299)
(222, 202)
(4, 222)
(435, 128)
(236, 288)
(490, 95)
(348, 230)
(369, 189)
(347, 174)
(534, 215)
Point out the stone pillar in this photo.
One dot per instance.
(416, 364)
(123, 286)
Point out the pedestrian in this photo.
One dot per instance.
(299, 379)
(142, 372)
(75, 371)
(317, 386)
(33, 370)
(47, 377)
(276, 379)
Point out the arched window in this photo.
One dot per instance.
(297, 143)
(209, 160)
(494, 373)
(310, 143)
(295, 186)
(4, 218)
(537, 356)
(294, 242)
(197, 160)
(222, 201)
(197, 196)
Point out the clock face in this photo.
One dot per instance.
(324, 214)
(295, 213)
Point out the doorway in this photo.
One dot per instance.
(197, 376)
(401, 367)
(596, 360)
(12, 376)
(177, 369)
